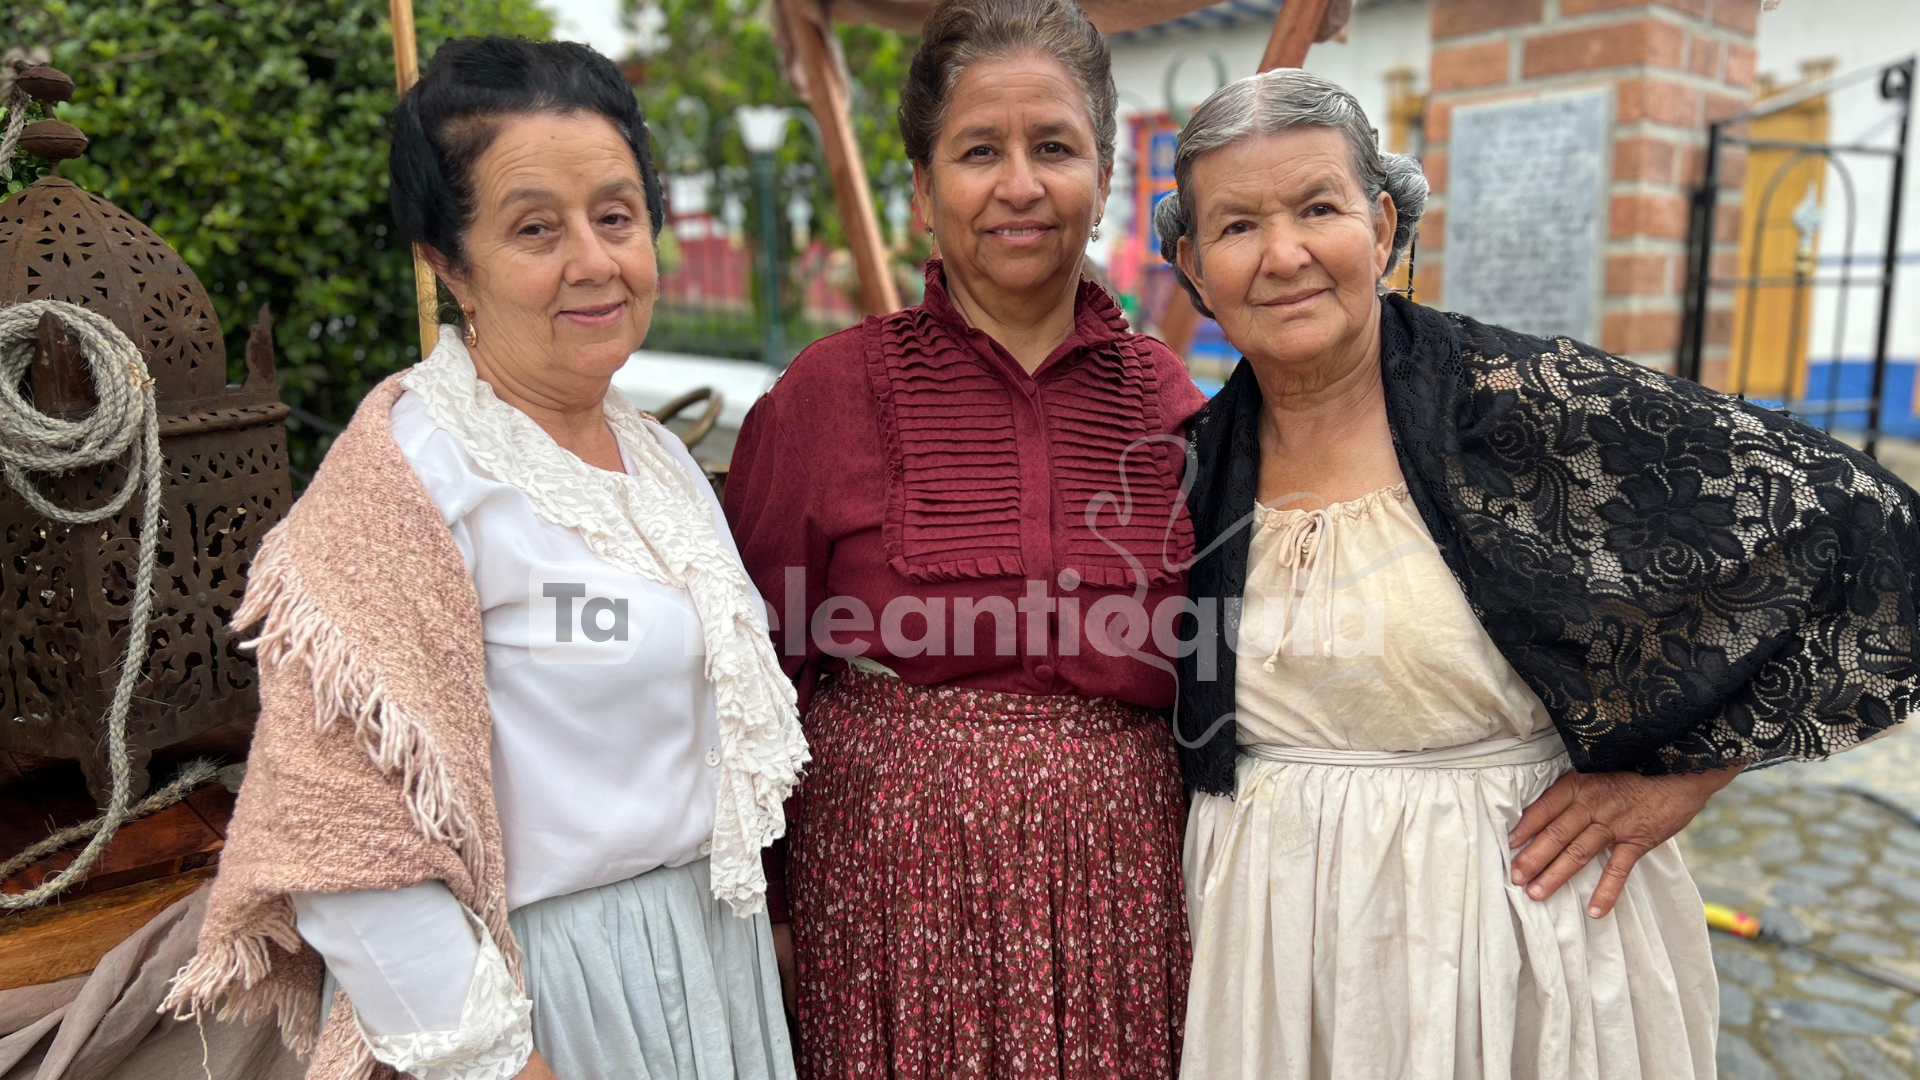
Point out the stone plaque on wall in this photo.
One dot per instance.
(1527, 213)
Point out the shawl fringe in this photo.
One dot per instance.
(230, 977)
(296, 630)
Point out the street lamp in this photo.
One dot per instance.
(763, 128)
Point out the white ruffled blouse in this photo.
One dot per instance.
(640, 716)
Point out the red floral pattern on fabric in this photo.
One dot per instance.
(986, 886)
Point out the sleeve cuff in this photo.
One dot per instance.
(494, 1039)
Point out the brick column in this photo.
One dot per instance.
(1672, 65)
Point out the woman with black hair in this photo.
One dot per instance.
(523, 734)
(984, 870)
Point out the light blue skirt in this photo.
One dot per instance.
(652, 978)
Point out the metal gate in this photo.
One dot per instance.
(745, 271)
(1787, 302)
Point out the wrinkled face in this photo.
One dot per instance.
(1014, 181)
(1286, 247)
(560, 262)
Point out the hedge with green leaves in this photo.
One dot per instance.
(250, 135)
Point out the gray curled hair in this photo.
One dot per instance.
(1272, 102)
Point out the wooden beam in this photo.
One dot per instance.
(1180, 323)
(67, 939)
(406, 72)
(1293, 32)
(829, 100)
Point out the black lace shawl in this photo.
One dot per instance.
(1685, 579)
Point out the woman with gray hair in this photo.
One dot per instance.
(1510, 611)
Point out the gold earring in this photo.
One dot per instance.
(471, 333)
(1096, 230)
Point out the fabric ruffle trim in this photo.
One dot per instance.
(953, 509)
(494, 1038)
(1350, 510)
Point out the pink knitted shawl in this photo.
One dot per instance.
(369, 767)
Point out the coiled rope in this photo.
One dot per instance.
(125, 425)
(16, 106)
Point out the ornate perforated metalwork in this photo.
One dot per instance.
(62, 243)
(64, 591)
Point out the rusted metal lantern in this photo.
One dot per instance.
(65, 590)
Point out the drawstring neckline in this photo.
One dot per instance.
(1306, 544)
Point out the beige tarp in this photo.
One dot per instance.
(104, 1025)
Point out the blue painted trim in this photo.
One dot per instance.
(1897, 414)
(1225, 14)
(1870, 261)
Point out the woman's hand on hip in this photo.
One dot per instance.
(1585, 814)
(536, 1069)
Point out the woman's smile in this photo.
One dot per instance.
(1011, 186)
(1021, 233)
(603, 315)
(1292, 303)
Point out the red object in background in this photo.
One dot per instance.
(1136, 268)
(716, 272)
(712, 269)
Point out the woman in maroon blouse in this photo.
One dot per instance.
(967, 517)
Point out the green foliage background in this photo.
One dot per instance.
(250, 135)
(709, 57)
(24, 168)
(719, 54)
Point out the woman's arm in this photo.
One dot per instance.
(432, 997)
(769, 505)
(1584, 814)
(405, 956)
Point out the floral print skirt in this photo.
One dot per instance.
(987, 885)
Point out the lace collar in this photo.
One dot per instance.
(610, 510)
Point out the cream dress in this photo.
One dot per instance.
(1352, 912)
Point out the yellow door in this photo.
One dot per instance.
(1781, 199)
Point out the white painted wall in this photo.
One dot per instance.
(1857, 34)
(650, 379)
(1384, 35)
(591, 22)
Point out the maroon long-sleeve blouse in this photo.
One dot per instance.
(971, 524)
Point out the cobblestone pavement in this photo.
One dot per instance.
(1828, 854)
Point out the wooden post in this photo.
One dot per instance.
(1178, 325)
(830, 103)
(1293, 32)
(59, 378)
(406, 72)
